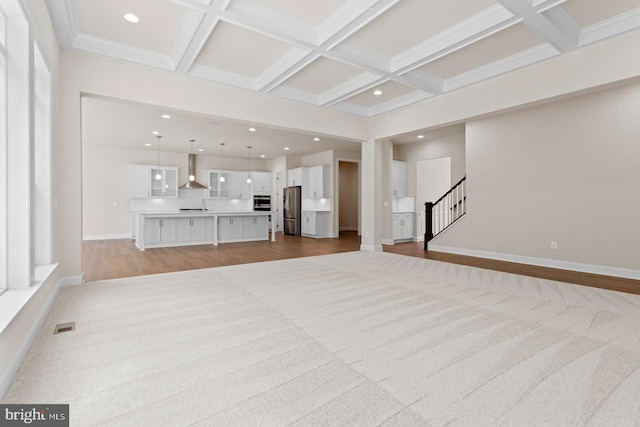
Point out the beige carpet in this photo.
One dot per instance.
(349, 339)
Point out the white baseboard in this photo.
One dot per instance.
(387, 241)
(371, 248)
(72, 280)
(543, 262)
(348, 228)
(107, 236)
(22, 348)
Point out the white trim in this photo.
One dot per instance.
(371, 248)
(387, 241)
(543, 262)
(21, 349)
(107, 236)
(348, 228)
(72, 280)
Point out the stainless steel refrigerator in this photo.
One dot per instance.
(292, 210)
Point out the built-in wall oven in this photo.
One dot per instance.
(261, 202)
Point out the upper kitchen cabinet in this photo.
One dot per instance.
(399, 179)
(239, 188)
(318, 182)
(295, 177)
(234, 186)
(261, 182)
(153, 182)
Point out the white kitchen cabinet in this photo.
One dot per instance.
(209, 228)
(318, 182)
(218, 188)
(143, 182)
(402, 226)
(160, 230)
(229, 228)
(254, 227)
(239, 188)
(399, 179)
(315, 223)
(261, 182)
(190, 229)
(294, 177)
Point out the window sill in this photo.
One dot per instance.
(13, 300)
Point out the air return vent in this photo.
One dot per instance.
(64, 327)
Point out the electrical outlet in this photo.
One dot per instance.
(554, 245)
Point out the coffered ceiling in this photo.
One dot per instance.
(336, 53)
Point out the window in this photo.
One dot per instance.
(25, 152)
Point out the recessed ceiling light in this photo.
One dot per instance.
(252, 129)
(377, 92)
(420, 136)
(316, 139)
(155, 132)
(286, 148)
(200, 149)
(147, 145)
(263, 156)
(131, 18)
(166, 116)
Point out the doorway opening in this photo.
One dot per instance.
(348, 200)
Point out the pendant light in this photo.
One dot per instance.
(222, 162)
(158, 174)
(249, 164)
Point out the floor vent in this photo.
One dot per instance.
(64, 327)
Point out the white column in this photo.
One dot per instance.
(371, 196)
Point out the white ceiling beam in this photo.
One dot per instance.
(562, 39)
(399, 102)
(92, 44)
(611, 27)
(63, 17)
(288, 65)
(186, 39)
(422, 81)
(353, 86)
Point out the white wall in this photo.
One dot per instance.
(566, 172)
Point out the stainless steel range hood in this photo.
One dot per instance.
(192, 174)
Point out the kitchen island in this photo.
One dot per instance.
(163, 229)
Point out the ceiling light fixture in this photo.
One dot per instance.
(166, 116)
(158, 173)
(377, 92)
(420, 136)
(252, 129)
(249, 164)
(201, 149)
(316, 139)
(155, 132)
(286, 148)
(130, 17)
(262, 156)
(147, 145)
(222, 162)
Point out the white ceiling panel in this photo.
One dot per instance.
(410, 22)
(237, 50)
(331, 52)
(309, 12)
(159, 26)
(502, 44)
(321, 75)
(588, 12)
(389, 89)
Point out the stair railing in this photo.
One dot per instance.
(442, 213)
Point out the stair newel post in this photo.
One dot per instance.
(428, 229)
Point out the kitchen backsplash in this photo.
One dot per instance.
(189, 198)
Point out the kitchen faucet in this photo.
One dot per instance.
(204, 204)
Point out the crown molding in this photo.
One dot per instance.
(611, 27)
(287, 65)
(216, 75)
(92, 44)
(399, 102)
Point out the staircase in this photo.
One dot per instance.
(449, 208)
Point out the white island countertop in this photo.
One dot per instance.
(192, 213)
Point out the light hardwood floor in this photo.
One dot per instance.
(109, 259)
